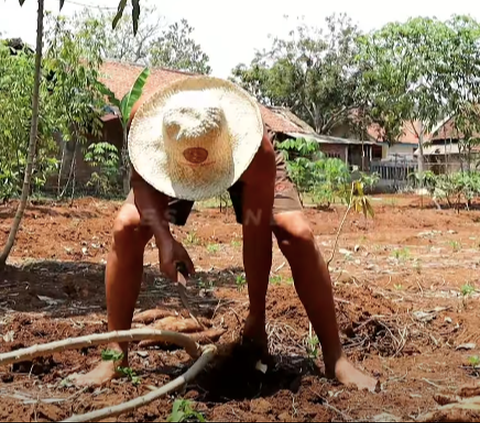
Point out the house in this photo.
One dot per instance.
(396, 160)
(441, 150)
(287, 125)
(404, 147)
(444, 152)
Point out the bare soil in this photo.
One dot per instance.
(407, 293)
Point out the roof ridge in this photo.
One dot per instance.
(157, 68)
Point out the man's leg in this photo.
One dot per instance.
(123, 279)
(313, 285)
(254, 333)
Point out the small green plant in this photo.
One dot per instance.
(467, 289)
(240, 281)
(111, 355)
(456, 246)
(235, 243)
(192, 238)
(213, 248)
(313, 346)
(474, 361)
(105, 157)
(130, 374)
(398, 286)
(276, 280)
(401, 254)
(182, 411)
(116, 356)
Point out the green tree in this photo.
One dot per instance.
(93, 29)
(122, 5)
(155, 44)
(75, 98)
(176, 49)
(16, 84)
(33, 137)
(312, 72)
(64, 96)
(418, 72)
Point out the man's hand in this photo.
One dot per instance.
(174, 258)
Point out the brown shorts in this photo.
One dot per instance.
(286, 197)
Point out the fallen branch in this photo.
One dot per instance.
(207, 355)
(133, 335)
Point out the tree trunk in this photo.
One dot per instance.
(33, 140)
(125, 163)
(420, 158)
(72, 166)
(60, 170)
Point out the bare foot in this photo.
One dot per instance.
(347, 374)
(100, 375)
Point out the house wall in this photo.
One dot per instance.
(404, 150)
(334, 151)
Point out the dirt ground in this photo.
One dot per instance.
(407, 293)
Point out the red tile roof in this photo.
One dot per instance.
(408, 136)
(449, 131)
(119, 77)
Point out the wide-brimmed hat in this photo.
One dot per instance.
(194, 138)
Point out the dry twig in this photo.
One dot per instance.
(340, 227)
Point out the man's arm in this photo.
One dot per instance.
(258, 194)
(151, 204)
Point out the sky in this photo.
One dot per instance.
(230, 32)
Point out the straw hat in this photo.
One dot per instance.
(193, 139)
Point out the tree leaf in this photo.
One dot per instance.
(118, 16)
(129, 100)
(135, 15)
(110, 94)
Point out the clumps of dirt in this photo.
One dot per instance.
(235, 376)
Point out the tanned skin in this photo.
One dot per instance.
(143, 217)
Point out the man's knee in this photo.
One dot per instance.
(127, 228)
(293, 229)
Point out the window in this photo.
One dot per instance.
(333, 155)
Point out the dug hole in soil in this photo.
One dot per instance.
(406, 288)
